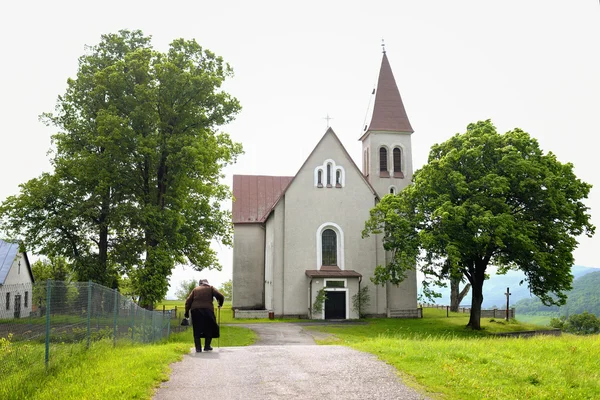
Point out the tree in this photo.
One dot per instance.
(226, 290)
(457, 295)
(486, 198)
(137, 164)
(579, 324)
(55, 268)
(185, 287)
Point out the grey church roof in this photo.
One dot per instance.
(8, 252)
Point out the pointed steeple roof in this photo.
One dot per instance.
(388, 111)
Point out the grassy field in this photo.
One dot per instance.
(535, 319)
(101, 372)
(438, 356)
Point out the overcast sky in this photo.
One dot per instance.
(531, 64)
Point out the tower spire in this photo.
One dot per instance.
(388, 111)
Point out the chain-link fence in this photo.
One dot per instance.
(36, 317)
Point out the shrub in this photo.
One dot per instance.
(579, 324)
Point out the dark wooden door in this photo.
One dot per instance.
(335, 305)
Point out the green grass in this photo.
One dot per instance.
(226, 313)
(439, 356)
(543, 320)
(101, 372)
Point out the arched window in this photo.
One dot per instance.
(329, 247)
(383, 162)
(392, 190)
(329, 174)
(397, 155)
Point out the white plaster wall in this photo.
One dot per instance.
(308, 207)
(275, 228)
(374, 141)
(18, 281)
(249, 263)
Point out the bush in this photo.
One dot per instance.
(579, 324)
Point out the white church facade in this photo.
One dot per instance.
(295, 237)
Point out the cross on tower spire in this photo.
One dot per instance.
(383, 45)
(328, 118)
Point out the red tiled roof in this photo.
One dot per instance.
(255, 195)
(388, 111)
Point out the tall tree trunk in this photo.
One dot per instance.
(103, 222)
(456, 296)
(476, 278)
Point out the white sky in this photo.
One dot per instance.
(531, 64)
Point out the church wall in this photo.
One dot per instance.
(249, 259)
(390, 140)
(275, 234)
(307, 208)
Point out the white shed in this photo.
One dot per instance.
(16, 282)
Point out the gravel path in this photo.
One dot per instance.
(285, 363)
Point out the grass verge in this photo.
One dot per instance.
(440, 356)
(127, 371)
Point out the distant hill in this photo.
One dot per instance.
(495, 287)
(585, 296)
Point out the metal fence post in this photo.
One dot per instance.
(48, 298)
(169, 325)
(132, 321)
(89, 313)
(115, 320)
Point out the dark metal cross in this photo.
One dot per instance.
(328, 118)
(383, 45)
(507, 294)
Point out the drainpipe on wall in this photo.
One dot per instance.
(310, 298)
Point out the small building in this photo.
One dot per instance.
(297, 238)
(16, 282)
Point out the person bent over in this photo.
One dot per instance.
(204, 323)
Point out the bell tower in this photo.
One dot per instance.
(386, 141)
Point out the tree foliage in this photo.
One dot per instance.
(226, 290)
(185, 288)
(137, 165)
(579, 324)
(482, 199)
(361, 301)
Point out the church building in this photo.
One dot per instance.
(299, 237)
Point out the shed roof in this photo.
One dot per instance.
(255, 196)
(332, 273)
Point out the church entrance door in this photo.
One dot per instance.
(335, 305)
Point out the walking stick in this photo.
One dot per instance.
(219, 338)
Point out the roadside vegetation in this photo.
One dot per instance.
(438, 356)
(127, 371)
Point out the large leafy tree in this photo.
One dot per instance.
(137, 165)
(483, 199)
